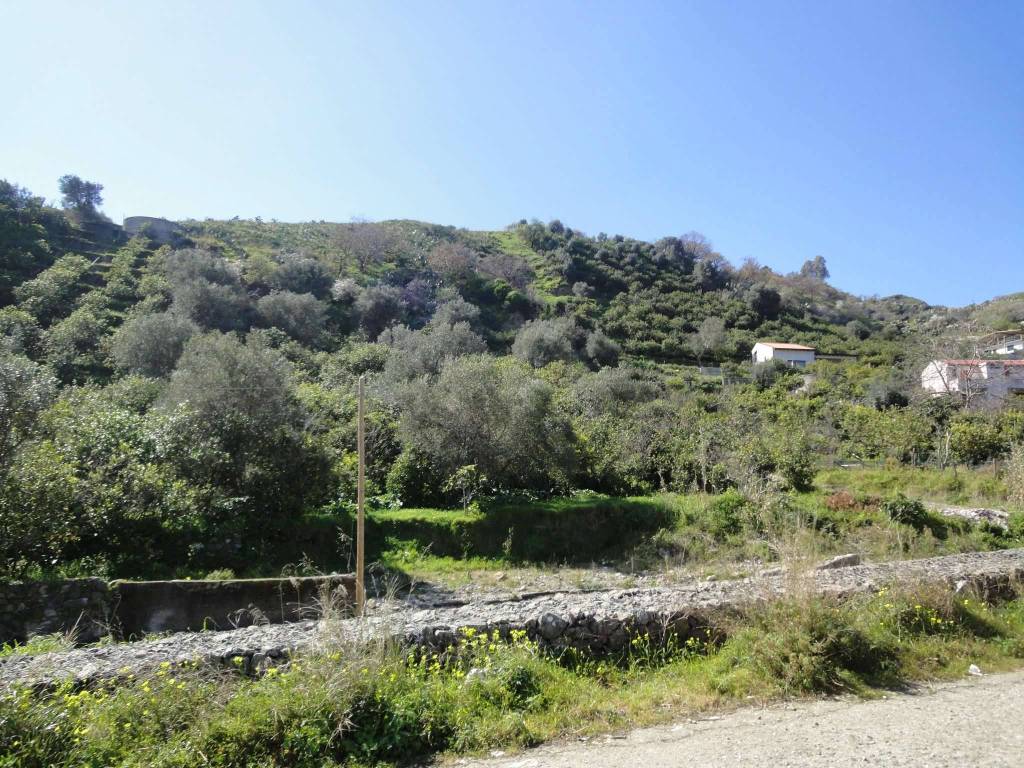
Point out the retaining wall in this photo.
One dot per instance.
(92, 608)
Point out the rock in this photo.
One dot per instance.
(840, 561)
(975, 670)
(995, 517)
(552, 626)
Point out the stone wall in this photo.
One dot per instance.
(92, 608)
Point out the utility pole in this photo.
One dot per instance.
(361, 503)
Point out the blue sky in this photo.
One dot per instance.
(886, 136)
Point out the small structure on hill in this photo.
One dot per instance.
(988, 382)
(794, 355)
(1002, 344)
(159, 231)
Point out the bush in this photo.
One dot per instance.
(726, 513)
(812, 645)
(910, 512)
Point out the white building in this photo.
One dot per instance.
(1002, 344)
(795, 355)
(978, 381)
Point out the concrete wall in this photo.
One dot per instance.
(30, 608)
(160, 231)
(762, 353)
(173, 606)
(92, 608)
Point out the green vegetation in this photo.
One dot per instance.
(188, 409)
(384, 706)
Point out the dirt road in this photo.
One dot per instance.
(976, 722)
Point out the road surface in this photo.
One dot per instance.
(978, 722)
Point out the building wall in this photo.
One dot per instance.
(989, 381)
(762, 353)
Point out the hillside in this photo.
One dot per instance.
(189, 404)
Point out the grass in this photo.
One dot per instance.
(961, 486)
(850, 510)
(386, 706)
(37, 645)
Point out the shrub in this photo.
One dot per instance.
(843, 501)
(726, 513)
(812, 645)
(910, 512)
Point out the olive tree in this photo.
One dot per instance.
(540, 342)
(300, 315)
(151, 344)
(26, 388)
(491, 414)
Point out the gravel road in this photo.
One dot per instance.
(976, 723)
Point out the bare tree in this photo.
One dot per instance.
(453, 261)
(365, 241)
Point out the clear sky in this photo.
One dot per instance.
(886, 136)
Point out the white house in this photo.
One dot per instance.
(795, 355)
(979, 381)
(1002, 344)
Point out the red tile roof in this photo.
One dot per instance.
(782, 345)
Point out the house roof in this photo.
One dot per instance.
(783, 345)
(984, 362)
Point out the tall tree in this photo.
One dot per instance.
(815, 268)
(80, 195)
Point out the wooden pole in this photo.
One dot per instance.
(361, 503)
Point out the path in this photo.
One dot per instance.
(976, 723)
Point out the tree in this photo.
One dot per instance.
(379, 306)
(602, 351)
(300, 315)
(454, 262)
(709, 337)
(815, 269)
(80, 195)
(540, 342)
(975, 441)
(150, 345)
(233, 422)
(421, 353)
(213, 306)
(300, 274)
(26, 388)
(367, 242)
(491, 414)
(233, 386)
